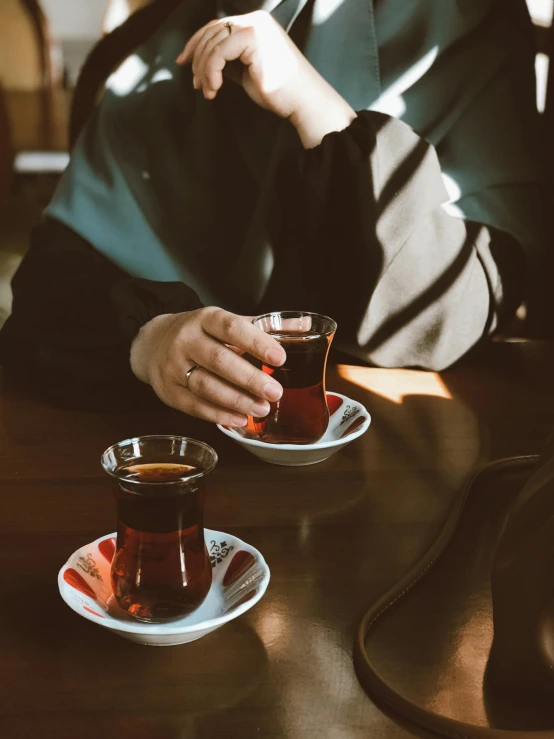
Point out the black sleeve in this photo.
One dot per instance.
(74, 317)
(409, 284)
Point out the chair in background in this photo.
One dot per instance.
(32, 121)
(6, 149)
(27, 53)
(31, 73)
(50, 67)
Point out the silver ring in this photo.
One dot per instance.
(189, 373)
(228, 26)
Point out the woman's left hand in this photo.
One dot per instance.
(272, 71)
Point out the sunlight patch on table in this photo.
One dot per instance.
(395, 386)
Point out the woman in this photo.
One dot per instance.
(268, 168)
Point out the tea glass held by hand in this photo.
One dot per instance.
(301, 416)
(161, 570)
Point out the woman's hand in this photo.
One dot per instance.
(226, 387)
(254, 51)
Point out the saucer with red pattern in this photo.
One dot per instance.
(240, 577)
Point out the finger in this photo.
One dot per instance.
(204, 49)
(202, 55)
(188, 52)
(186, 55)
(217, 358)
(219, 32)
(240, 332)
(184, 400)
(210, 387)
(237, 46)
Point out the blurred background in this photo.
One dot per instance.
(43, 44)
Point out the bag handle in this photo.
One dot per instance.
(368, 674)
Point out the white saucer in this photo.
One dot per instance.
(348, 420)
(240, 578)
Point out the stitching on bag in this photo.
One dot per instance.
(504, 462)
(510, 462)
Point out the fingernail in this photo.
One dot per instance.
(273, 391)
(238, 421)
(276, 357)
(260, 409)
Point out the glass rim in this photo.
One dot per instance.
(152, 437)
(300, 314)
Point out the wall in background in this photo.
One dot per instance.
(75, 19)
(76, 25)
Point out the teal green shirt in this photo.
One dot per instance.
(172, 187)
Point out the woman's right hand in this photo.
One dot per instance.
(226, 387)
(271, 69)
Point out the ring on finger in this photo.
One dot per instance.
(189, 373)
(229, 26)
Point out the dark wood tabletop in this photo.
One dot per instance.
(334, 535)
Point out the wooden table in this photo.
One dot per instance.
(334, 536)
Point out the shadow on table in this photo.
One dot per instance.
(338, 534)
(433, 647)
(125, 689)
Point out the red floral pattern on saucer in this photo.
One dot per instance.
(240, 577)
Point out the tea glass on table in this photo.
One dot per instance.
(301, 416)
(161, 570)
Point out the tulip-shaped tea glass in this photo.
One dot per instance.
(301, 415)
(161, 570)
